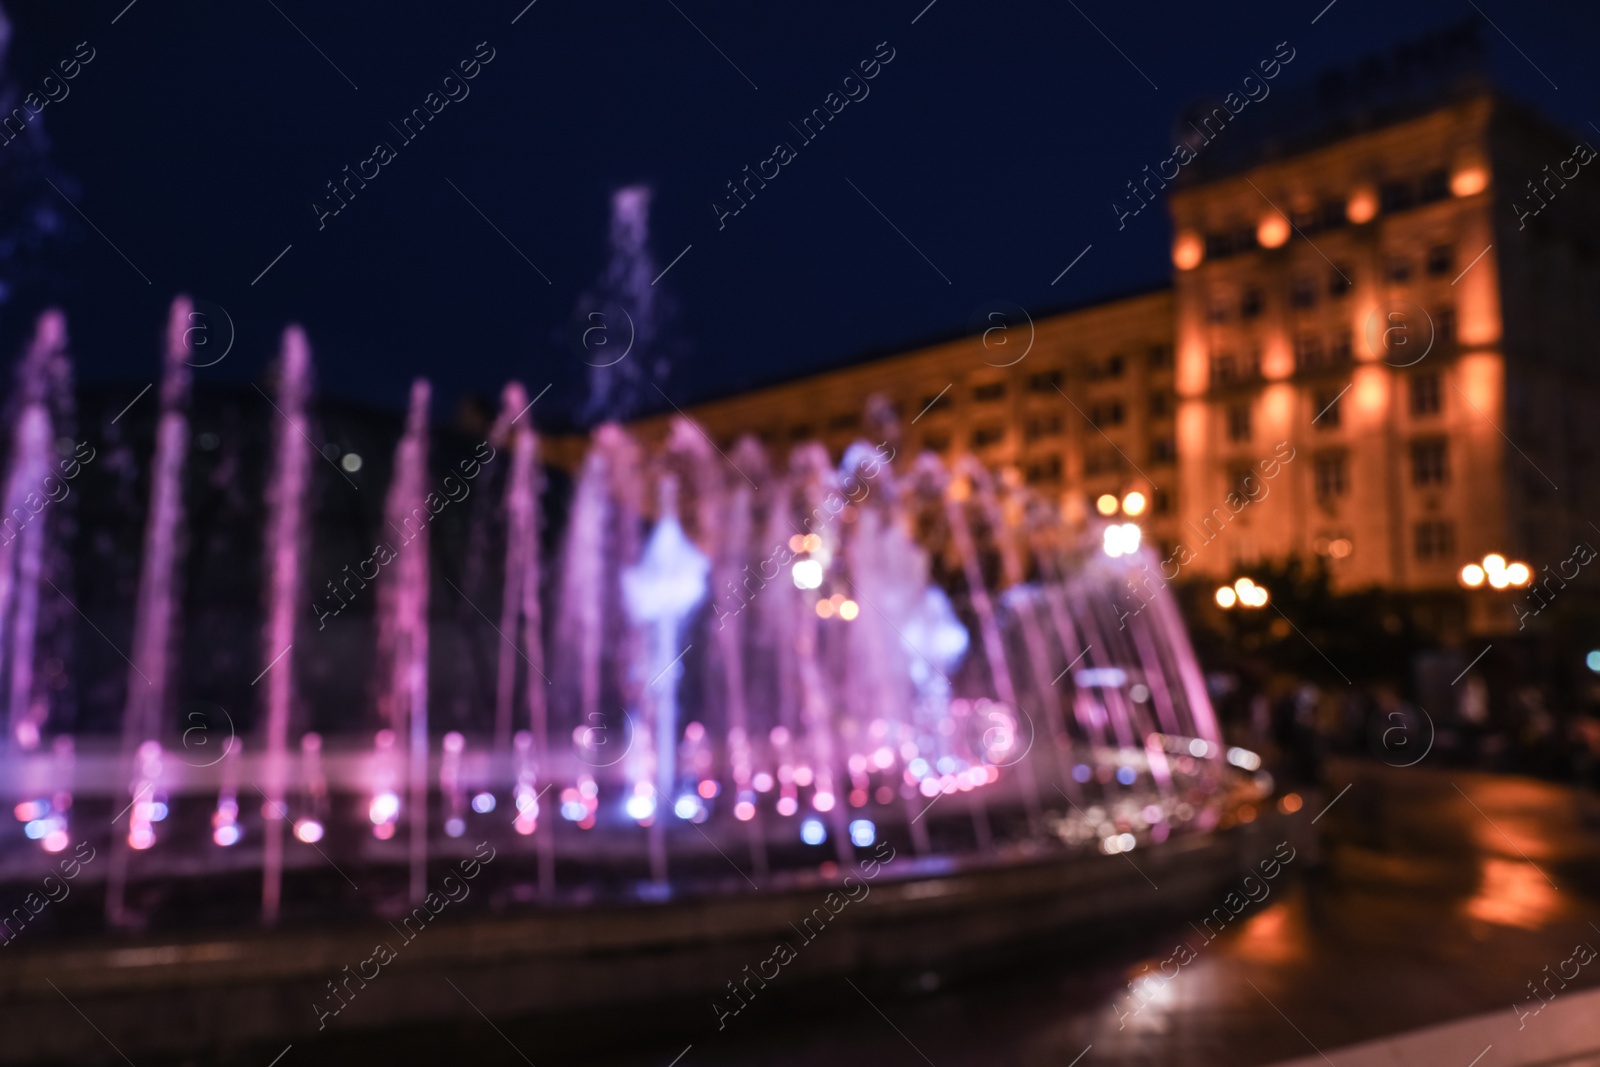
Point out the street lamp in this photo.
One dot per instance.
(1244, 592)
(1496, 572)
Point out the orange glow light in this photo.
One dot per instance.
(1273, 231)
(1187, 251)
(1106, 505)
(1363, 206)
(1469, 181)
(1472, 576)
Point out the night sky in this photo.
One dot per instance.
(200, 135)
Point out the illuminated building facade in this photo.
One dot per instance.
(1392, 310)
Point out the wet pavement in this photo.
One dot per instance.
(1439, 895)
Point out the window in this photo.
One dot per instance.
(1308, 352)
(1047, 469)
(1239, 422)
(800, 433)
(1340, 280)
(1102, 461)
(1304, 221)
(1163, 450)
(1160, 404)
(1395, 196)
(989, 391)
(1159, 357)
(1160, 502)
(1441, 258)
(1435, 539)
(984, 436)
(1327, 404)
(936, 442)
(1243, 480)
(1435, 186)
(935, 402)
(1042, 426)
(1445, 326)
(1113, 367)
(1107, 414)
(1223, 369)
(1424, 394)
(1333, 214)
(1399, 269)
(1340, 352)
(1250, 305)
(1045, 382)
(1430, 462)
(1330, 476)
(847, 421)
(1303, 291)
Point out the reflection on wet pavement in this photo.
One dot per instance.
(1441, 894)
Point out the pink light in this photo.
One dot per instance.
(30, 810)
(822, 802)
(744, 811)
(709, 788)
(762, 782)
(383, 831)
(308, 830)
(56, 841)
(141, 837)
(788, 805)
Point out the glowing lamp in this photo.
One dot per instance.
(1494, 562)
(1469, 181)
(1187, 251)
(1226, 597)
(848, 610)
(1243, 586)
(1106, 504)
(807, 574)
(1518, 574)
(1472, 576)
(1273, 231)
(308, 830)
(1362, 206)
(812, 832)
(1134, 503)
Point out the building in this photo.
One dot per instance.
(1383, 294)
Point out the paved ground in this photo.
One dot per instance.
(1442, 896)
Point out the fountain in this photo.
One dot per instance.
(786, 659)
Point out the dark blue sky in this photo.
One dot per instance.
(202, 133)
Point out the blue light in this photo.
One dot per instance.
(863, 833)
(483, 803)
(1126, 775)
(687, 807)
(946, 765)
(158, 811)
(918, 767)
(812, 832)
(38, 828)
(1593, 660)
(574, 810)
(1081, 773)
